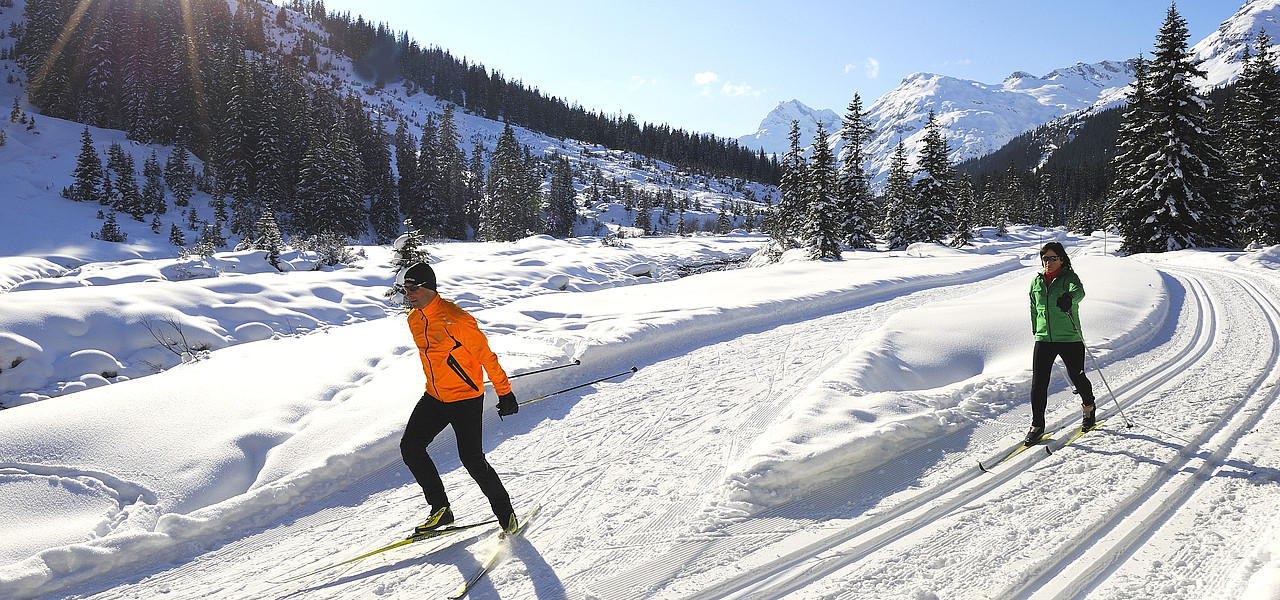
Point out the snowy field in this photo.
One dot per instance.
(795, 430)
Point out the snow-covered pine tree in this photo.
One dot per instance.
(180, 176)
(406, 167)
(176, 237)
(110, 231)
(452, 164)
(820, 226)
(856, 202)
(966, 212)
(791, 207)
(153, 201)
(407, 251)
(266, 236)
(125, 197)
(428, 209)
(900, 216)
(935, 195)
(1184, 175)
(506, 201)
(1255, 148)
(562, 208)
(87, 186)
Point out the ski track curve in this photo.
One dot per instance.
(891, 550)
(560, 455)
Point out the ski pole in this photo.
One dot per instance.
(1127, 422)
(545, 396)
(575, 363)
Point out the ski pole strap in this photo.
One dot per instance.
(575, 363)
(545, 396)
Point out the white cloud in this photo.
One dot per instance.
(873, 68)
(705, 77)
(741, 89)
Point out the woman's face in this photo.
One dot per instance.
(1052, 261)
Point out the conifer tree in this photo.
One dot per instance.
(966, 212)
(266, 236)
(406, 168)
(899, 203)
(176, 236)
(506, 203)
(791, 208)
(180, 176)
(88, 173)
(452, 165)
(1255, 150)
(1175, 196)
(428, 211)
(935, 197)
(125, 196)
(856, 202)
(153, 201)
(820, 227)
(562, 210)
(110, 231)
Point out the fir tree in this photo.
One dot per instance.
(1256, 148)
(856, 203)
(110, 231)
(266, 236)
(900, 216)
(506, 213)
(176, 236)
(821, 229)
(966, 212)
(1175, 195)
(153, 201)
(935, 197)
(791, 208)
(125, 196)
(88, 173)
(180, 176)
(562, 210)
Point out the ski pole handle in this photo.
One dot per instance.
(545, 396)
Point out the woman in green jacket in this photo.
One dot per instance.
(1055, 299)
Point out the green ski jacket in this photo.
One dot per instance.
(1048, 322)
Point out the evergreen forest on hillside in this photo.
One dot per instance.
(288, 147)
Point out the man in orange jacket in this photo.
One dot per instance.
(455, 355)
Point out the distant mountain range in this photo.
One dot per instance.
(979, 118)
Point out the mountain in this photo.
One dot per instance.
(772, 133)
(980, 118)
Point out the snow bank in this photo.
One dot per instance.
(932, 370)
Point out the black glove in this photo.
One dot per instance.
(507, 405)
(1064, 303)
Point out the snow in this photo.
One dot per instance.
(197, 427)
(760, 390)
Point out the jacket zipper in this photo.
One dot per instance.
(451, 361)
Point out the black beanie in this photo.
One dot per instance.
(421, 274)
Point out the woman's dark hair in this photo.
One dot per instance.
(1059, 250)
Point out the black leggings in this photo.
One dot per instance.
(1072, 354)
(429, 418)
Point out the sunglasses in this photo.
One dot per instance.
(409, 287)
(1051, 258)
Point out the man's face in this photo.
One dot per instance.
(418, 296)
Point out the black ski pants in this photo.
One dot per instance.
(1072, 354)
(429, 418)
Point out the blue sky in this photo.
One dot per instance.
(720, 66)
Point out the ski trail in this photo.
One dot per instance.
(1168, 489)
(818, 550)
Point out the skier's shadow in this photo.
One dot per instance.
(546, 584)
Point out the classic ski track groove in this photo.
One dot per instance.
(1163, 493)
(783, 575)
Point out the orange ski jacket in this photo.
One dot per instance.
(453, 352)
